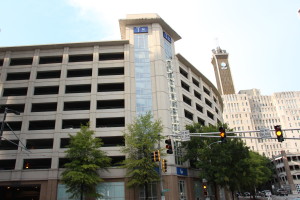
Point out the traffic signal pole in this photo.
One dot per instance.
(217, 134)
(160, 176)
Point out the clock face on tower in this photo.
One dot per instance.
(223, 65)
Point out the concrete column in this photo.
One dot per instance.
(288, 172)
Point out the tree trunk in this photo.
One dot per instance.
(216, 191)
(232, 194)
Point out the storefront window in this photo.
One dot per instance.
(108, 190)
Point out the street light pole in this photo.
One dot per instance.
(6, 110)
(2, 124)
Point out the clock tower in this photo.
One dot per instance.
(222, 71)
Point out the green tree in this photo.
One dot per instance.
(228, 164)
(142, 137)
(85, 159)
(222, 164)
(259, 173)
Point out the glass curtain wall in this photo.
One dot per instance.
(142, 74)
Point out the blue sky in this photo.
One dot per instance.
(261, 36)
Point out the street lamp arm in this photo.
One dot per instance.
(213, 143)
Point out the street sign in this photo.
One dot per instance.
(182, 171)
(265, 133)
(185, 135)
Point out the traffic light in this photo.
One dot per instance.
(155, 156)
(278, 133)
(204, 188)
(164, 165)
(169, 146)
(222, 134)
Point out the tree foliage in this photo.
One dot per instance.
(260, 171)
(142, 137)
(228, 164)
(85, 159)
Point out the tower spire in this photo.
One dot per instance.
(222, 71)
(218, 48)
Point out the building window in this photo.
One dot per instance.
(152, 192)
(14, 92)
(182, 192)
(113, 141)
(48, 74)
(17, 107)
(62, 162)
(116, 160)
(108, 190)
(185, 86)
(74, 123)
(40, 163)
(39, 143)
(110, 87)
(110, 122)
(111, 190)
(111, 56)
(206, 91)
(110, 104)
(187, 100)
(76, 105)
(12, 125)
(208, 103)
(8, 164)
(196, 82)
(215, 100)
(183, 72)
(46, 90)
(210, 115)
(44, 107)
(84, 88)
(81, 58)
(20, 61)
(111, 71)
(50, 59)
(217, 111)
(42, 125)
(79, 73)
(64, 142)
(188, 115)
(18, 76)
(199, 108)
(6, 145)
(201, 121)
(197, 94)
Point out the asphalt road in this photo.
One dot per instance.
(274, 197)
